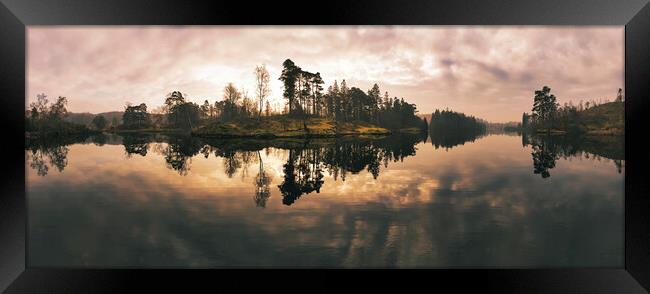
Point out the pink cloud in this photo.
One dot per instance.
(490, 72)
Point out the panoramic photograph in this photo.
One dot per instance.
(325, 146)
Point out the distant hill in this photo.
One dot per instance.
(607, 118)
(85, 118)
(604, 119)
(502, 127)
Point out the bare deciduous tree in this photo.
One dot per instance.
(262, 89)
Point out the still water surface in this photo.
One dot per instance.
(495, 201)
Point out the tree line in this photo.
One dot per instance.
(303, 94)
(304, 97)
(547, 114)
(449, 128)
(302, 91)
(48, 119)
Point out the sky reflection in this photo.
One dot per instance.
(475, 205)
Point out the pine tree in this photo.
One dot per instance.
(344, 93)
(375, 100)
(619, 95)
(289, 77)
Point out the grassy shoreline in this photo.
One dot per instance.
(607, 119)
(594, 132)
(285, 127)
(149, 131)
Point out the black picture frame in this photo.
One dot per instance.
(15, 15)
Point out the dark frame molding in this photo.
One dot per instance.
(15, 15)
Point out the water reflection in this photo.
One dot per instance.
(373, 202)
(303, 174)
(50, 152)
(136, 144)
(46, 156)
(308, 159)
(303, 170)
(444, 138)
(546, 150)
(262, 184)
(179, 151)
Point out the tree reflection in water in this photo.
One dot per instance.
(262, 184)
(136, 144)
(43, 158)
(50, 152)
(546, 150)
(302, 175)
(543, 160)
(308, 160)
(449, 138)
(620, 164)
(179, 152)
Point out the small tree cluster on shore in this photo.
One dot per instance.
(547, 114)
(136, 117)
(448, 128)
(303, 92)
(455, 122)
(46, 118)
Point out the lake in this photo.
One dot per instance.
(497, 200)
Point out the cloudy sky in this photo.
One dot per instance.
(489, 72)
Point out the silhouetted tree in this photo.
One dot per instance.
(174, 98)
(289, 78)
(206, 109)
(544, 108)
(181, 113)
(185, 115)
(136, 117)
(374, 101)
(231, 99)
(524, 120)
(58, 110)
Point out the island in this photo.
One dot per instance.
(309, 112)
